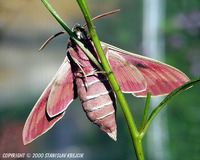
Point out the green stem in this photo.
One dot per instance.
(129, 119)
(72, 35)
(57, 17)
(167, 100)
(146, 111)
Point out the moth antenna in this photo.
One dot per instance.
(103, 15)
(51, 38)
(64, 32)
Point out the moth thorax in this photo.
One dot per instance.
(80, 32)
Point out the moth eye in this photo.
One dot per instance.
(79, 35)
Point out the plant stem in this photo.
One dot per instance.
(129, 119)
(167, 100)
(146, 111)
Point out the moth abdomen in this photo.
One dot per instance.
(98, 101)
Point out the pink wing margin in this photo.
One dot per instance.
(39, 121)
(161, 78)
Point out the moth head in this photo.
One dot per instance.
(80, 32)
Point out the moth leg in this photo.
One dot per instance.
(105, 50)
(97, 71)
(104, 72)
(78, 64)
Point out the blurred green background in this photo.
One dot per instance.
(25, 72)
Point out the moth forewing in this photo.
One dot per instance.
(38, 121)
(62, 92)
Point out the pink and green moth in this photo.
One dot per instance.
(78, 75)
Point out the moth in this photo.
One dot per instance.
(79, 76)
